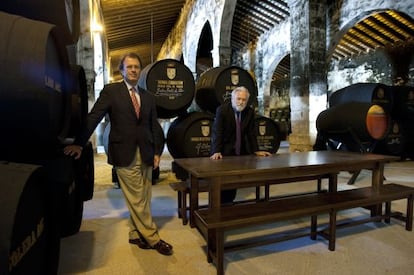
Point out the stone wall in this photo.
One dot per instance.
(316, 28)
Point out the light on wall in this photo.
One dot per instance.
(96, 27)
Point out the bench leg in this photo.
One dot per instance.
(257, 193)
(409, 221)
(267, 192)
(332, 230)
(387, 211)
(314, 226)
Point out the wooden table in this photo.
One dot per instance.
(245, 171)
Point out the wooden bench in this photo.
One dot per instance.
(183, 190)
(212, 223)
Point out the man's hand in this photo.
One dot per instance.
(73, 151)
(262, 153)
(216, 156)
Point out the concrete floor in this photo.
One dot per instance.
(101, 247)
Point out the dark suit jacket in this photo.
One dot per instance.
(127, 132)
(224, 131)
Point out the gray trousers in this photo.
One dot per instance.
(136, 185)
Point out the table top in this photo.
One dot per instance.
(285, 163)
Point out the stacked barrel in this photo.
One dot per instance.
(371, 117)
(189, 134)
(42, 105)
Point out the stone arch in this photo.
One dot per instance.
(203, 11)
(275, 46)
(204, 59)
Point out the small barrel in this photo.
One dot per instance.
(354, 122)
(268, 134)
(403, 108)
(29, 243)
(375, 93)
(190, 135)
(215, 85)
(172, 84)
(63, 13)
(35, 106)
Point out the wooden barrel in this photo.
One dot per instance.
(403, 108)
(215, 85)
(190, 135)
(28, 242)
(394, 142)
(268, 134)
(63, 13)
(65, 193)
(77, 87)
(172, 84)
(85, 173)
(354, 123)
(35, 108)
(375, 93)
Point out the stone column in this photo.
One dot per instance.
(308, 82)
(225, 55)
(85, 54)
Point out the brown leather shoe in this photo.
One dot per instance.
(163, 248)
(141, 243)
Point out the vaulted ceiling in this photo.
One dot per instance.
(143, 26)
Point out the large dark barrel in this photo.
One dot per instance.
(85, 173)
(66, 194)
(375, 93)
(354, 123)
(394, 143)
(34, 105)
(62, 13)
(268, 134)
(28, 243)
(215, 86)
(77, 87)
(403, 102)
(190, 135)
(173, 85)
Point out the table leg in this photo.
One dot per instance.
(214, 196)
(376, 182)
(193, 198)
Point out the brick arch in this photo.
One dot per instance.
(349, 12)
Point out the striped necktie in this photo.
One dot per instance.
(134, 101)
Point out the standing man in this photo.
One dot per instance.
(233, 132)
(134, 148)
